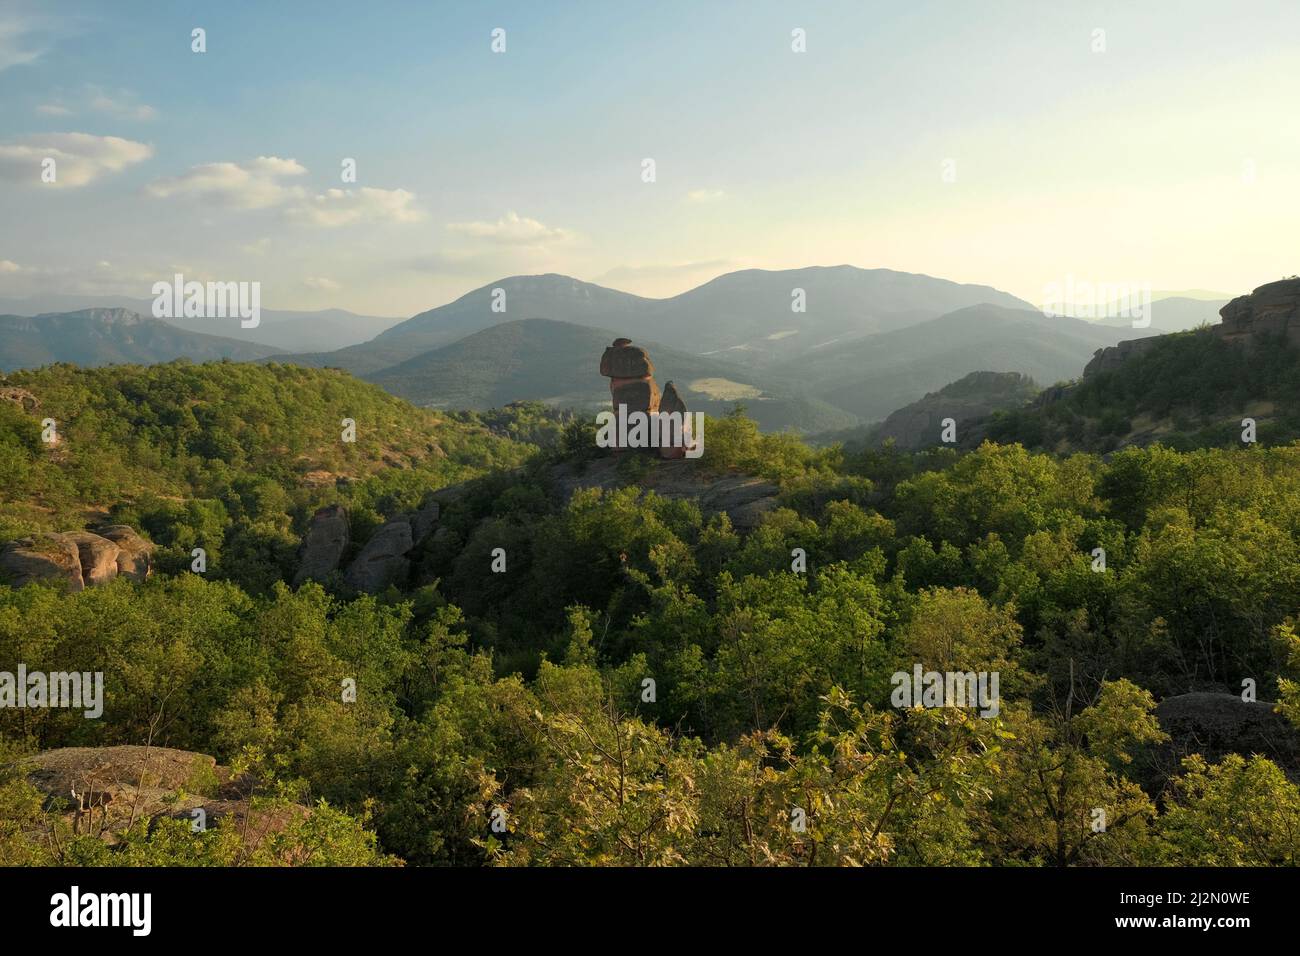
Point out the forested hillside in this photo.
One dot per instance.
(1186, 390)
(622, 678)
(228, 456)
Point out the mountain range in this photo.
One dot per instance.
(815, 349)
(280, 329)
(93, 337)
(552, 361)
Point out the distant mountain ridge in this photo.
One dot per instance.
(280, 329)
(751, 315)
(879, 374)
(558, 363)
(94, 337)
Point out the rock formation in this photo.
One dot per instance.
(631, 384)
(1215, 724)
(20, 397)
(77, 559)
(671, 403)
(42, 558)
(135, 554)
(1270, 312)
(383, 560)
(101, 790)
(98, 557)
(631, 377)
(324, 545)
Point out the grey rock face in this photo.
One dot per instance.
(1214, 725)
(383, 560)
(424, 521)
(324, 544)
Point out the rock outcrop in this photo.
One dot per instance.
(383, 560)
(135, 554)
(672, 403)
(745, 498)
(632, 386)
(98, 557)
(1215, 724)
(324, 545)
(1270, 312)
(386, 558)
(42, 558)
(77, 559)
(20, 397)
(631, 377)
(102, 790)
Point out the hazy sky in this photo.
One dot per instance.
(1170, 157)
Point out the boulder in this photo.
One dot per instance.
(135, 554)
(323, 545)
(45, 557)
(383, 560)
(639, 395)
(1216, 724)
(102, 790)
(20, 397)
(672, 403)
(98, 557)
(424, 521)
(625, 360)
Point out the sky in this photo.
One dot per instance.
(1021, 145)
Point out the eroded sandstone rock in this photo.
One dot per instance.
(45, 557)
(323, 545)
(98, 557)
(135, 554)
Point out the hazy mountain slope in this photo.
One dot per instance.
(747, 314)
(976, 396)
(94, 337)
(876, 375)
(558, 362)
(1174, 313)
(281, 329)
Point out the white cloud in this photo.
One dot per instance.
(321, 283)
(344, 207)
(79, 158)
(705, 195)
(10, 268)
(673, 270)
(122, 103)
(511, 230)
(16, 46)
(264, 183)
(256, 184)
